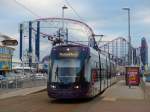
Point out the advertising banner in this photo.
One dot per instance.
(132, 75)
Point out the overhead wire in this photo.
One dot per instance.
(26, 8)
(36, 15)
(67, 2)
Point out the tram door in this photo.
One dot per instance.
(100, 73)
(95, 79)
(103, 74)
(108, 69)
(106, 73)
(110, 72)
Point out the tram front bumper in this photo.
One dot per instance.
(67, 93)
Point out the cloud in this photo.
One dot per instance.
(147, 20)
(45, 49)
(51, 8)
(104, 17)
(110, 37)
(98, 24)
(45, 45)
(142, 16)
(42, 8)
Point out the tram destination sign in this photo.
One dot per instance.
(69, 54)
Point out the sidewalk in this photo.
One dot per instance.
(146, 90)
(22, 92)
(120, 91)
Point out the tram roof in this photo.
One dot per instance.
(71, 45)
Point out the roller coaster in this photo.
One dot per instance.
(79, 67)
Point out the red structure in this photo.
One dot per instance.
(132, 76)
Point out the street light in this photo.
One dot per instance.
(63, 8)
(129, 37)
(63, 30)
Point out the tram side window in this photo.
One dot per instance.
(113, 70)
(103, 69)
(95, 72)
(98, 72)
(87, 70)
(95, 75)
(109, 69)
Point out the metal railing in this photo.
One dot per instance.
(11, 84)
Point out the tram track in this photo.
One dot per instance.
(40, 102)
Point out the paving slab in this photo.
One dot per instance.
(22, 92)
(121, 91)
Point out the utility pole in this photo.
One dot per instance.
(64, 31)
(129, 38)
(100, 40)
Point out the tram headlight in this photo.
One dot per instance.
(53, 86)
(77, 87)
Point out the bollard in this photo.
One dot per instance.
(16, 82)
(0, 84)
(129, 85)
(7, 81)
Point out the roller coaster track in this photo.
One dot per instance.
(116, 49)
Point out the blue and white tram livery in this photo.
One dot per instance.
(78, 71)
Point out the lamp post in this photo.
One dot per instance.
(63, 8)
(63, 30)
(129, 38)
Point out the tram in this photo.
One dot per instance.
(78, 71)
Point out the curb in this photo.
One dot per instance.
(21, 93)
(42, 90)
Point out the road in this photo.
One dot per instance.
(40, 102)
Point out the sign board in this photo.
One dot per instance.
(10, 42)
(132, 75)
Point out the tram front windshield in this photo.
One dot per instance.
(66, 70)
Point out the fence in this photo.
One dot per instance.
(21, 82)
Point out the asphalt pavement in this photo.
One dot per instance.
(118, 98)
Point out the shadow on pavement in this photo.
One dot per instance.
(75, 101)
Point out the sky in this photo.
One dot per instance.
(103, 16)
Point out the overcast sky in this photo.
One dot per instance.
(103, 16)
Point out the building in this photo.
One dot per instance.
(6, 52)
(144, 52)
